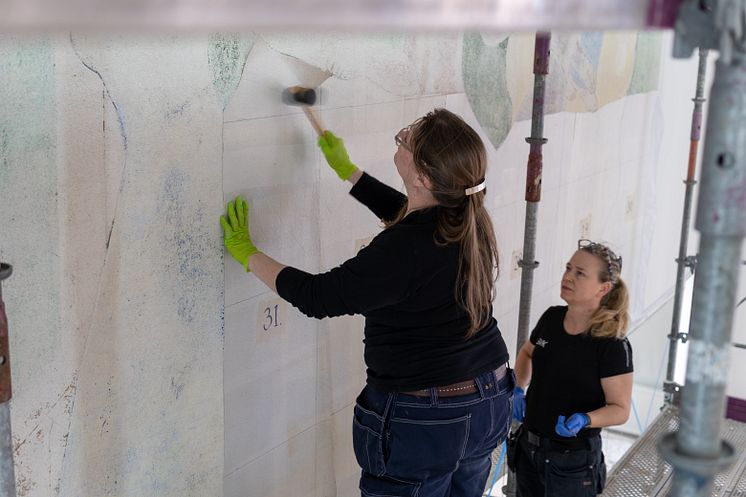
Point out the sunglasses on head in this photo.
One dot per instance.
(601, 250)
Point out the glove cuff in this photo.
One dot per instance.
(346, 170)
(253, 252)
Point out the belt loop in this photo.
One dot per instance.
(480, 386)
(511, 372)
(433, 396)
(387, 410)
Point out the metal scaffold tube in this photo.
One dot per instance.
(533, 197)
(7, 472)
(533, 184)
(696, 451)
(670, 387)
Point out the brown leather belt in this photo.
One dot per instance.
(462, 388)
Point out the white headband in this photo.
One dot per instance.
(475, 189)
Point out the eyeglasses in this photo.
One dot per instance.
(601, 250)
(399, 138)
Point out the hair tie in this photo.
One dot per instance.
(475, 189)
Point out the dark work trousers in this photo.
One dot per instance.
(545, 468)
(410, 446)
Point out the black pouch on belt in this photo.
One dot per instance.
(511, 447)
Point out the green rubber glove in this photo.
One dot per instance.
(236, 237)
(336, 155)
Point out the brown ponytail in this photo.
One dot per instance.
(478, 268)
(452, 155)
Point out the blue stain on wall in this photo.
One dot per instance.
(186, 242)
(177, 111)
(584, 59)
(222, 311)
(590, 45)
(486, 86)
(3, 152)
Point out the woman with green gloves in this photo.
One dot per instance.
(438, 394)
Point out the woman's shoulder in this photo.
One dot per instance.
(398, 239)
(555, 312)
(417, 229)
(551, 319)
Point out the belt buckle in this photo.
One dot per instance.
(533, 438)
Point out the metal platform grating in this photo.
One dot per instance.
(642, 473)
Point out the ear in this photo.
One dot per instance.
(606, 287)
(424, 181)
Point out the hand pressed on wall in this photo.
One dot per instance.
(336, 155)
(236, 237)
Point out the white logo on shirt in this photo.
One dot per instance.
(541, 342)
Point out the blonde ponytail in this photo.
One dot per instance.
(611, 319)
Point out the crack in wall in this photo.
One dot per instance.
(122, 129)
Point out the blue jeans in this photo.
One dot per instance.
(411, 446)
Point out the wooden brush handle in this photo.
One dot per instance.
(314, 120)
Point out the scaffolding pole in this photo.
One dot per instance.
(670, 387)
(533, 184)
(7, 472)
(696, 451)
(533, 197)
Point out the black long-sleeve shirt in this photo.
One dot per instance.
(404, 284)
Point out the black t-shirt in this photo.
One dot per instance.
(567, 372)
(404, 284)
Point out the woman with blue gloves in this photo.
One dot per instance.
(579, 366)
(437, 400)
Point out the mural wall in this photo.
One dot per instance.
(147, 363)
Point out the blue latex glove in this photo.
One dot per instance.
(519, 404)
(573, 425)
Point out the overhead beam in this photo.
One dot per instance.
(513, 15)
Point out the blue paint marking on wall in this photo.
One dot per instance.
(590, 45)
(3, 152)
(177, 111)
(585, 59)
(187, 238)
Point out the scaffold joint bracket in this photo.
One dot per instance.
(689, 261)
(701, 466)
(528, 265)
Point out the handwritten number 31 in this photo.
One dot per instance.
(271, 320)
